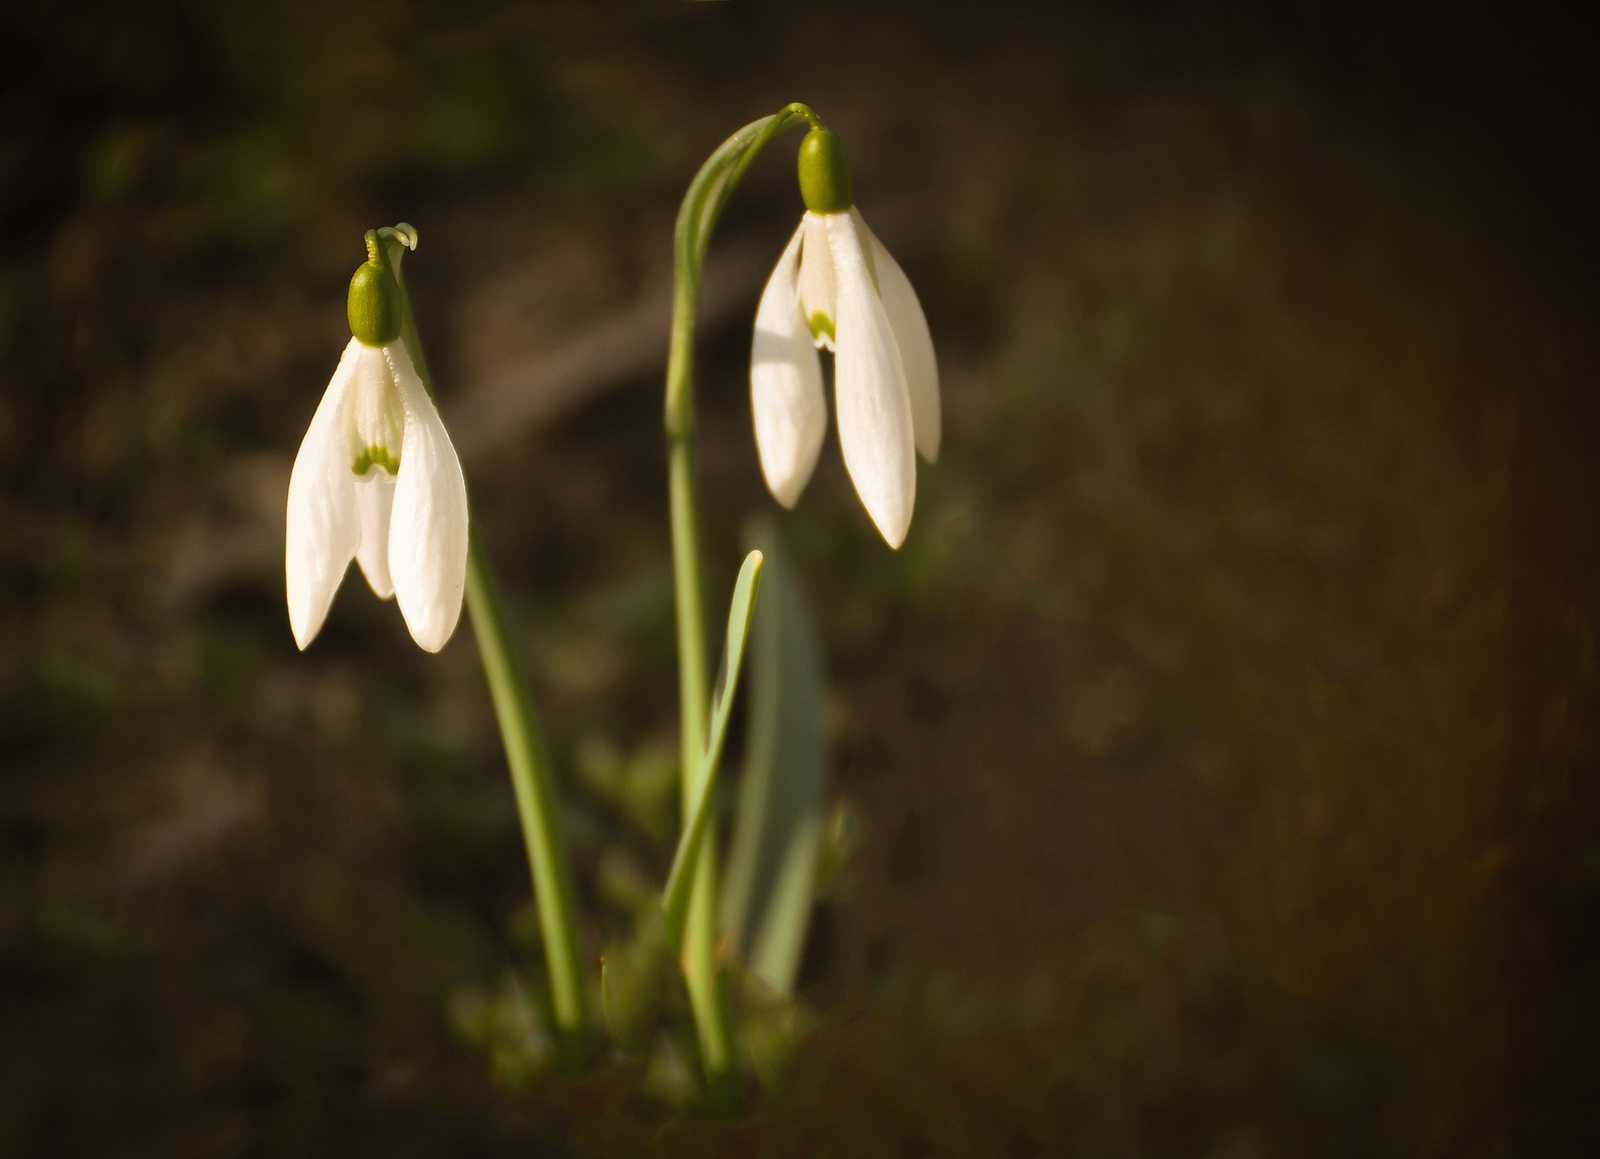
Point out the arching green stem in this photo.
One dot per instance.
(529, 763)
(697, 217)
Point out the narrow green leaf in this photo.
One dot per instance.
(771, 875)
(676, 899)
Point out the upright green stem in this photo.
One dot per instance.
(529, 763)
(697, 217)
(536, 803)
(699, 945)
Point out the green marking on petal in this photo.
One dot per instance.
(376, 456)
(822, 324)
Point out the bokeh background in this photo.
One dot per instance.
(1214, 771)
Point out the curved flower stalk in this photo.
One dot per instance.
(377, 480)
(837, 287)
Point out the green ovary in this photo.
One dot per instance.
(376, 456)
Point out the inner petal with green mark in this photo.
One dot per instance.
(377, 416)
(815, 285)
(376, 456)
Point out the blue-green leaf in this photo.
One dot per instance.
(771, 875)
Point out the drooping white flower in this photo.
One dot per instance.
(837, 287)
(377, 480)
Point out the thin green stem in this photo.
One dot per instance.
(536, 803)
(529, 763)
(697, 217)
(700, 933)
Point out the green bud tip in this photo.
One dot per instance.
(824, 174)
(374, 306)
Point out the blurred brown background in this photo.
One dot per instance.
(1219, 754)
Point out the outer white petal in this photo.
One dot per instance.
(375, 498)
(786, 398)
(322, 527)
(875, 429)
(916, 343)
(428, 529)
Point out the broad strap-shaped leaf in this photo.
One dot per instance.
(681, 878)
(771, 874)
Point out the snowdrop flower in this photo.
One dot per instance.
(377, 480)
(837, 287)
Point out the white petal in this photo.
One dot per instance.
(786, 398)
(375, 498)
(428, 530)
(916, 343)
(322, 527)
(818, 284)
(870, 388)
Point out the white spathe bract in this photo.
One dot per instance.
(836, 286)
(377, 480)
